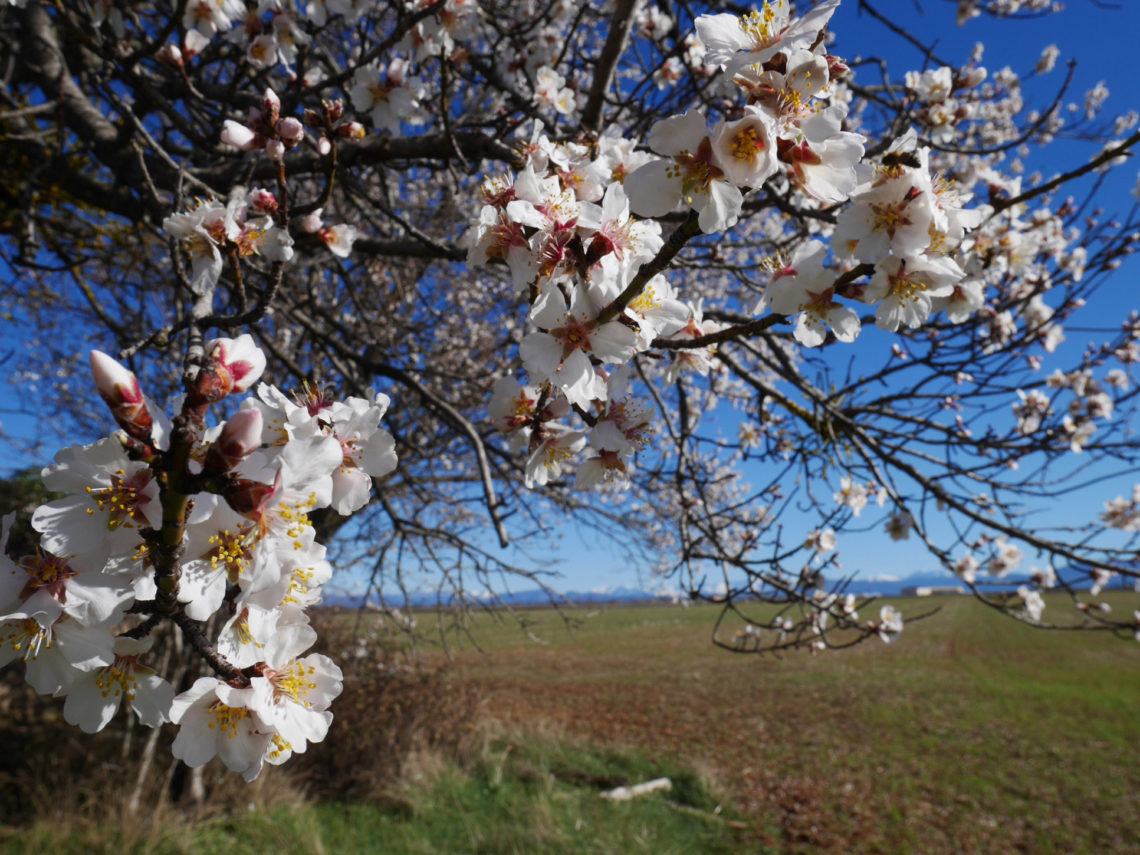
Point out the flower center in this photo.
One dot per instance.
(889, 217)
(294, 683)
(906, 289)
(118, 679)
(227, 719)
(46, 571)
(574, 335)
(123, 500)
(747, 144)
(232, 552)
(26, 637)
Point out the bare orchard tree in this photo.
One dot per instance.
(608, 261)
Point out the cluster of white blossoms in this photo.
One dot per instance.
(789, 123)
(566, 233)
(256, 223)
(212, 229)
(590, 270)
(171, 519)
(1123, 514)
(594, 304)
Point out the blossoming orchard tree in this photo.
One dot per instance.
(685, 275)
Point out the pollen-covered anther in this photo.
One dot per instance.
(227, 719)
(646, 301)
(279, 746)
(121, 501)
(905, 289)
(26, 638)
(118, 679)
(293, 682)
(300, 583)
(231, 551)
(554, 454)
(313, 398)
(758, 24)
(747, 144)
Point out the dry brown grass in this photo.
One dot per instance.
(972, 734)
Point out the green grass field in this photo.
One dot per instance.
(970, 734)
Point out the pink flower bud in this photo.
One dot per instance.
(275, 149)
(119, 389)
(290, 130)
(239, 136)
(251, 498)
(262, 201)
(333, 110)
(324, 146)
(311, 222)
(114, 382)
(170, 55)
(271, 107)
(240, 437)
(836, 67)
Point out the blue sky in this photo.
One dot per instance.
(1102, 41)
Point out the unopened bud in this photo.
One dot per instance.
(119, 389)
(170, 55)
(240, 437)
(324, 146)
(291, 131)
(239, 136)
(275, 149)
(333, 110)
(270, 107)
(313, 119)
(311, 222)
(969, 78)
(250, 498)
(262, 201)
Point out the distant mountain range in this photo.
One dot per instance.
(875, 586)
(522, 599)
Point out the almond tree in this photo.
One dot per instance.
(547, 243)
